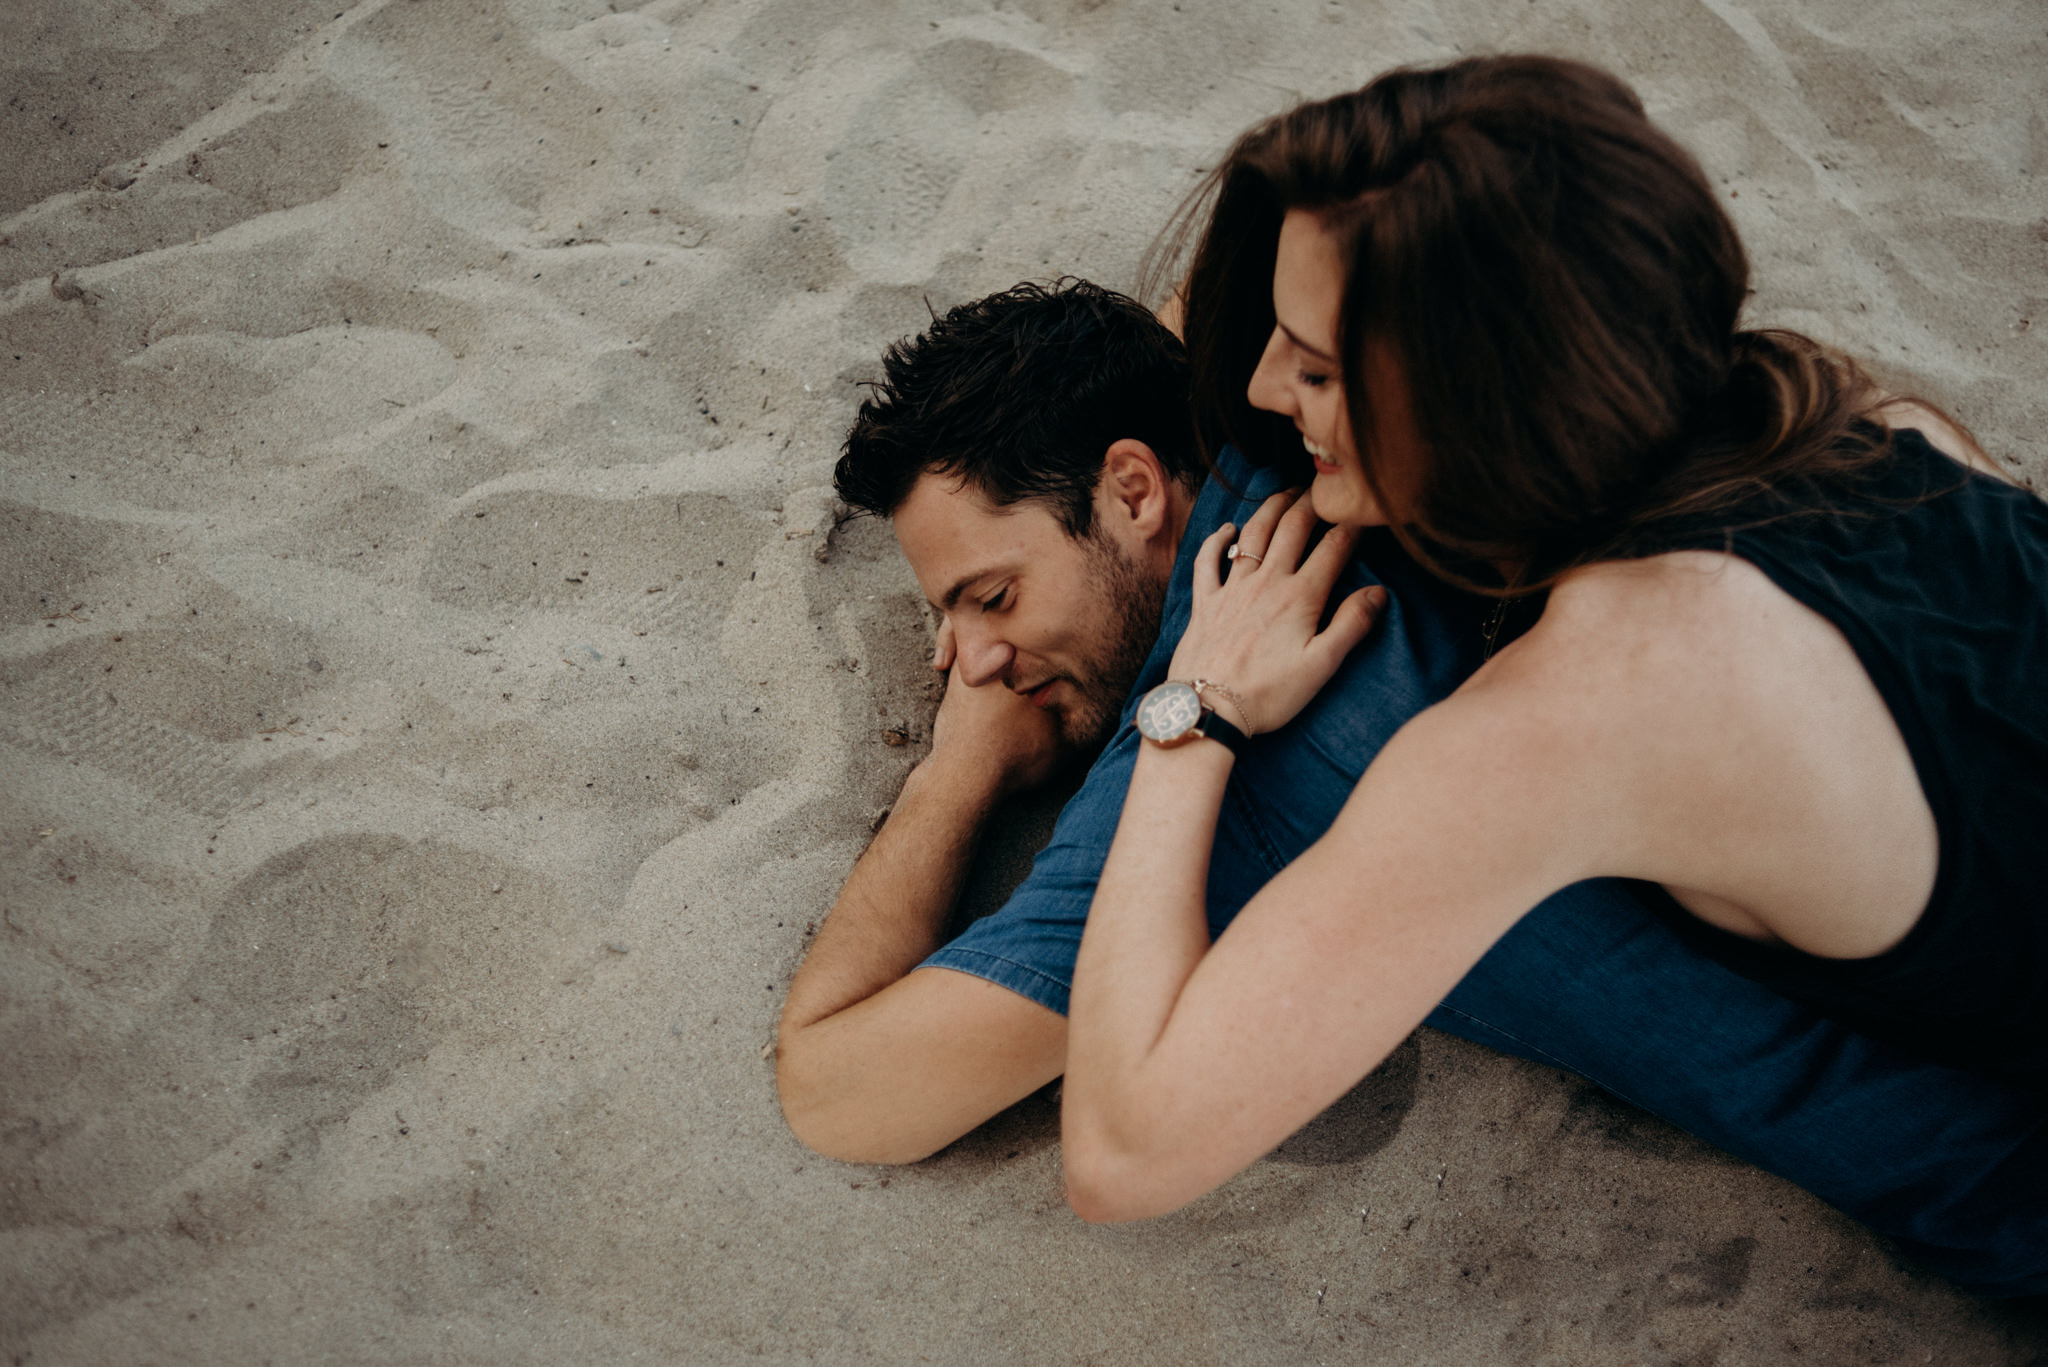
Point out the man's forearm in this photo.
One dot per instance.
(879, 1063)
(865, 1067)
(890, 914)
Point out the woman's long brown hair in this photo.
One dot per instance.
(1560, 286)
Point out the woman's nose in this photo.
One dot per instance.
(1269, 388)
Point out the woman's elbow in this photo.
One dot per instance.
(1105, 1186)
(1094, 1202)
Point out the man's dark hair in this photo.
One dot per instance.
(1019, 395)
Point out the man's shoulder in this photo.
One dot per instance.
(1234, 487)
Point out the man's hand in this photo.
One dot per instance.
(992, 733)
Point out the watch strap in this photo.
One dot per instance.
(1213, 727)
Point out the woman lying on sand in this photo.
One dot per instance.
(1770, 640)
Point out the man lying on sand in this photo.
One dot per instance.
(1035, 454)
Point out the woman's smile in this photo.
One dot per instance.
(1320, 454)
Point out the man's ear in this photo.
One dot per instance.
(1136, 491)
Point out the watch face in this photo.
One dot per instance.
(1168, 713)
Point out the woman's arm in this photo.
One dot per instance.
(1186, 1062)
(1134, 962)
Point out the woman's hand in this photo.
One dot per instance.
(1254, 636)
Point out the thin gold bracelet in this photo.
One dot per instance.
(1244, 713)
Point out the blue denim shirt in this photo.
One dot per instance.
(1952, 1166)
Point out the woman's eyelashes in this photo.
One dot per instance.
(995, 601)
(1312, 379)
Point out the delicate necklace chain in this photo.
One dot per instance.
(1494, 621)
(1498, 618)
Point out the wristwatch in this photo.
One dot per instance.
(1174, 714)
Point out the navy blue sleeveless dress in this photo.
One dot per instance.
(1938, 577)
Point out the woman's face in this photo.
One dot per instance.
(1299, 376)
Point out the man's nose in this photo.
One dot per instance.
(981, 657)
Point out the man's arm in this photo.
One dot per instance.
(881, 1064)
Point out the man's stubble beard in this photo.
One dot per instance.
(1130, 601)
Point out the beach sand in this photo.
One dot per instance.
(439, 694)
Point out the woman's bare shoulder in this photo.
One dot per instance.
(1661, 658)
(1584, 745)
(1620, 617)
(1718, 713)
(1629, 659)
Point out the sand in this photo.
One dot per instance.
(439, 696)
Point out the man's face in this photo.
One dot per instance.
(1064, 622)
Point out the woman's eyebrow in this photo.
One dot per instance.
(1295, 337)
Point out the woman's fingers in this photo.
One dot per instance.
(1348, 626)
(1291, 532)
(1277, 536)
(1209, 560)
(1257, 537)
(1260, 636)
(1328, 559)
(942, 646)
